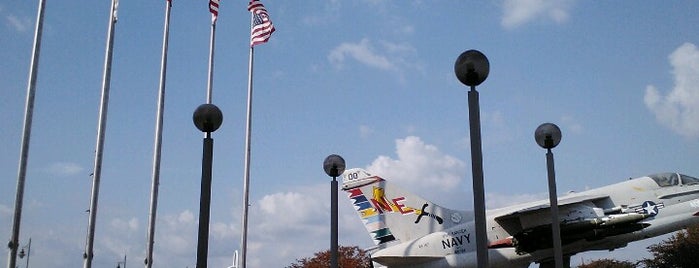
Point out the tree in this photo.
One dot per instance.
(679, 251)
(348, 257)
(607, 263)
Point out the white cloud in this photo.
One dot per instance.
(420, 165)
(185, 217)
(571, 124)
(18, 24)
(393, 48)
(519, 12)
(497, 200)
(362, 52)
(114, 245)
(365, 131)
(178, 235)
(224, 230)
(5, 209)
(289, 225)
(65, 169)
(679, 109)
(387, 56)
(296, 209)
(130, 225)
(119, 238)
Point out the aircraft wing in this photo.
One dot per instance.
(589, 217)
(534, 208)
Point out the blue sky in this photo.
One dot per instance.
(372, 81)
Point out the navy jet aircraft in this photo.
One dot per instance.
(412, 232)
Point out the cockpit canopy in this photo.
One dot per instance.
(673, 179)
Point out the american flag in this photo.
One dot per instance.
(262, 27)
(213, 7)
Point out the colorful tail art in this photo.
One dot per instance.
(390, 213)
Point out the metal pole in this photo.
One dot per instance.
(29, 251)
(477, 170)
(333, 224)
(158, 141)
(210, 81)
(334, 166)
(102, 124)
(553, 198)
(205, 202)
(26, 134)
(246, 172)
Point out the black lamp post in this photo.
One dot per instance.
(472, 68)
(548, 136)
(207, 118)
(334, 166)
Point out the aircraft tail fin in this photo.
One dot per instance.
(390, 213)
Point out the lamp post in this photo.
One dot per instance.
(548, 136)
(472, 68)
(207, 118)
(334, 166)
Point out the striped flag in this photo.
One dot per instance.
(262, 27)
(213, 7)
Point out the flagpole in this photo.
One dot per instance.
(27, 130)
(158, 140)
(210, 81)
(261, 29)
(246, 176)
(102, 124)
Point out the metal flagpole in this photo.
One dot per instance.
(158, 141)
(246, 175)
(102, 124)
(210, 81)
(27, 130)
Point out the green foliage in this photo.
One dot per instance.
(348, 257)
(607, 263)
(679, 251)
